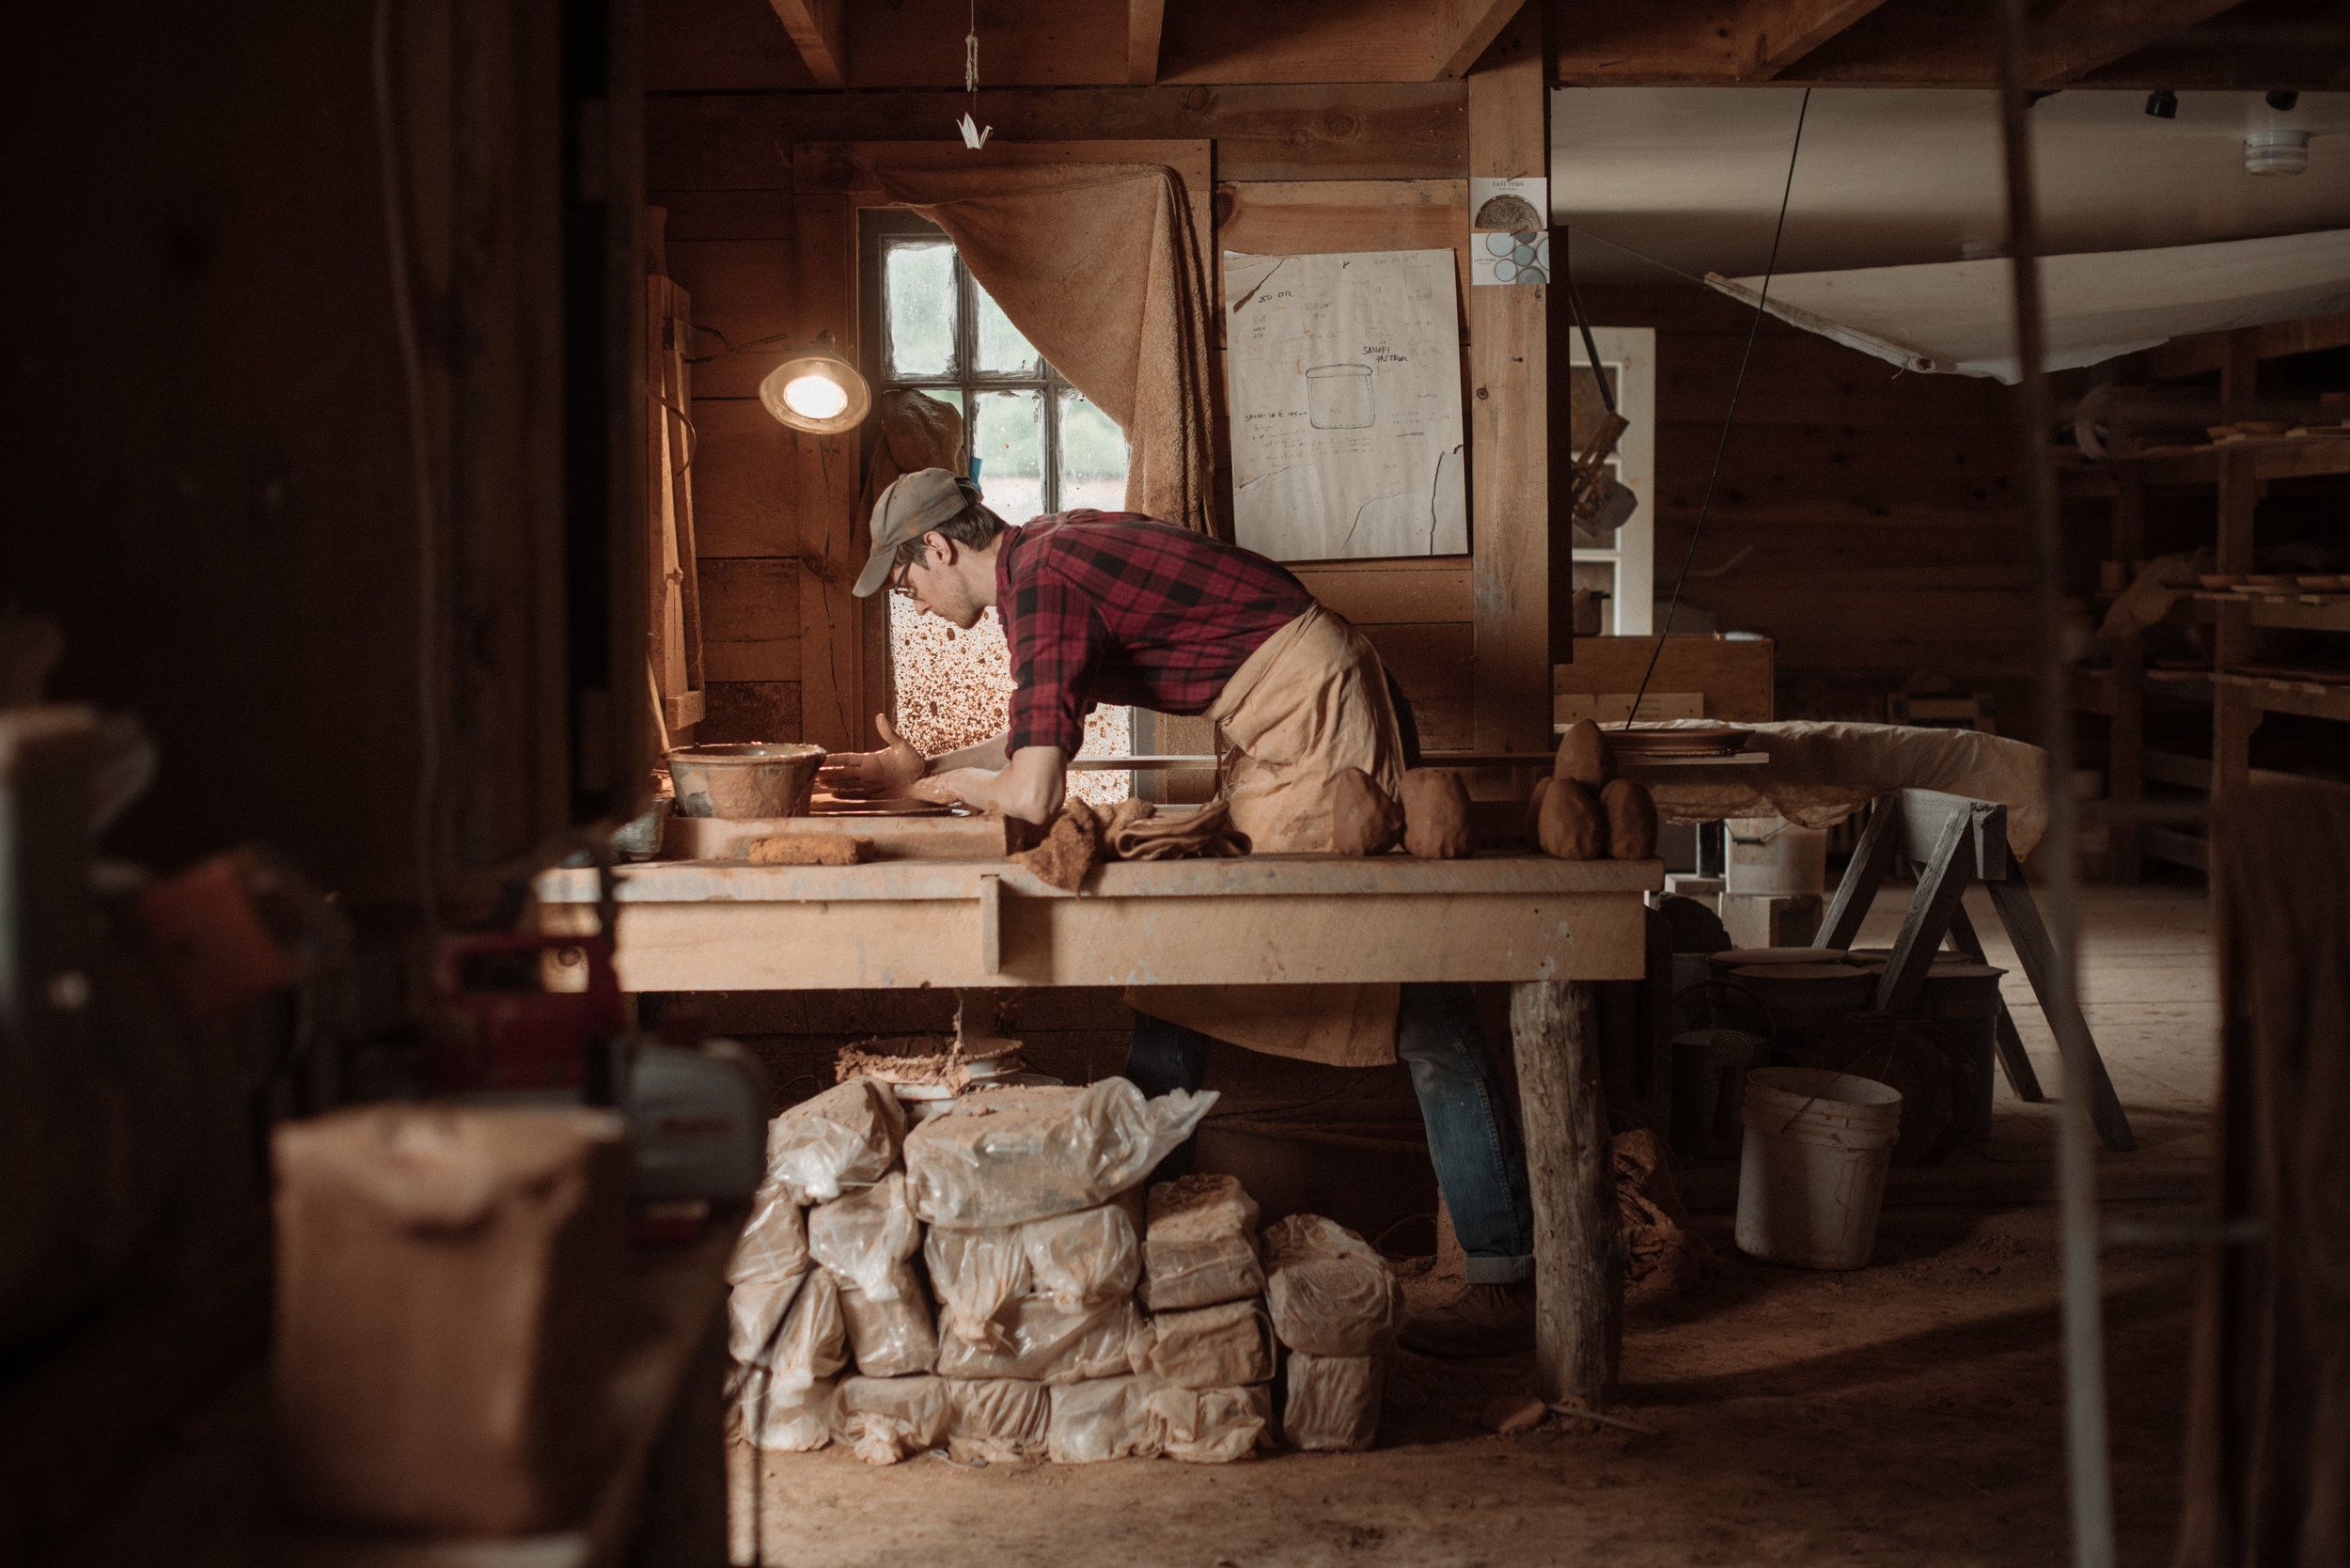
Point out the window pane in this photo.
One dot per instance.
(1007, 438)
(1092, 457)
(1002, 351)
(919, 285)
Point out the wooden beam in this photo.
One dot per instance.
(2082, 36)
(1144, 20)
(1509, 420)
(1464, 30)
(816, 33)
(1778, 33)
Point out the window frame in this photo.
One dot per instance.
(887, 229)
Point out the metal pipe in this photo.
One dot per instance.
(2086, 1450)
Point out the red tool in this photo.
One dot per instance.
(521, 1012)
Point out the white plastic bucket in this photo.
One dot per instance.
(1811, 1171)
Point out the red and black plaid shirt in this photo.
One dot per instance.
(1110, 607)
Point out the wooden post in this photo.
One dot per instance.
(1508, 421)
(1578, 1252)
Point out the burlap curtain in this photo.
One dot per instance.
(1097, 263)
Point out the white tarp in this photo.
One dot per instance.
(1955, 317)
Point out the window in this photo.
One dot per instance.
(1039, 445)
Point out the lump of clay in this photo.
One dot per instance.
(812, 1344)
(1534, 808)
(1108, 1418)
(977, 1276)
(811, 849)
(1070, 849)
(1582, 755)
(1333, 1402)
(846, 1137)
(1569, 825)
(1363, 820)
(764, 1276)
(890, 1335)
(994, 1420)
(1329, 1291)
(1092, 1255)
(1011, 1156)
(1435, 814)
(884, 1419)
(1631, 813)
(1207, 1347)
(1048, 1343)
(1211, 1426)
(1200, 1245)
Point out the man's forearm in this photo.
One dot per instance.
(1030, 786)
(989, 754)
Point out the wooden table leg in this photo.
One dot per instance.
(1578, 1250)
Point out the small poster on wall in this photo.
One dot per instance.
(1510, 230)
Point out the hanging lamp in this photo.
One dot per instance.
(819, 393)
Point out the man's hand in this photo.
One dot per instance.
(955, 787)
(1030, 786)
(891, 770)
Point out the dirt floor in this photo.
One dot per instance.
(1909, 1413)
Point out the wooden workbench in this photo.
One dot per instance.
(1550, 928)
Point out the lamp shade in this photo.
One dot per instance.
(819, 393)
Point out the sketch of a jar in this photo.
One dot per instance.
(1338, 397)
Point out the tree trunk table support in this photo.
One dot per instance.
(1550, 928)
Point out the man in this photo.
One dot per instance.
(1115, 608)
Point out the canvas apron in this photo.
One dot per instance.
(1311, 702)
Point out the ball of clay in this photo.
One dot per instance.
(1631, 813)
(1582, 755)
(1363, 820)
(1534, 808)
(1435, 814)
(1570, 827)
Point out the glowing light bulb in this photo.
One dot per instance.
(815, 397)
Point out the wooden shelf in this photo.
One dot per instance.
(2273, 456)
(2277, 695)
(2289, 610)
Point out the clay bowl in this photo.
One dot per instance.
(750, 779)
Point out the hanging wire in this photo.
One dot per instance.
(1730, 418)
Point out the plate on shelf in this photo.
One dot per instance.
(1707, 739)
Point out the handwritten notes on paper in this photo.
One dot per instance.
(1345, 380)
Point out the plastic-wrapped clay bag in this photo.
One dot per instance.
(1207, 1347)
(1211, 1426)
(814, 1342)
(1108, 1418)
(994, 1420)
(781, 1420)
(1092, 1255)
(1049, 1343)
(884, 1419)
(1332, 1401)
(1329, 1292)
(1011, 1156)
(978, 1275)
(890, 1336)
(847, 1136)
(865, 1234)
(764, 1276)
(1199, 1246)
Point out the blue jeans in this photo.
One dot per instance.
(1480, 1165)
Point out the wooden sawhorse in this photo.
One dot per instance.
(1949, 841)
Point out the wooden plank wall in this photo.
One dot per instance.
(1878, 508)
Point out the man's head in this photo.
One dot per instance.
(935, 541)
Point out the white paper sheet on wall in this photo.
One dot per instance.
(1344, 375)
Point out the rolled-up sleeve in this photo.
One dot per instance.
(1056, 640)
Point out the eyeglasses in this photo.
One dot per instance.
(898, 583)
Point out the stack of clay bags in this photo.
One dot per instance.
(1336, 1305)
(1033, 1258)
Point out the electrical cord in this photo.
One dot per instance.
(397, 241)
(1730, 418)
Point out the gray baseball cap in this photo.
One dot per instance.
(912, 506)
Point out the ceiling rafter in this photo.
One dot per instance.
(818, 34)
(1145, 21)
(1779, 32)
(1464, 30)
(2081, 35)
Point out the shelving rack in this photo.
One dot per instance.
(2237, 473)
